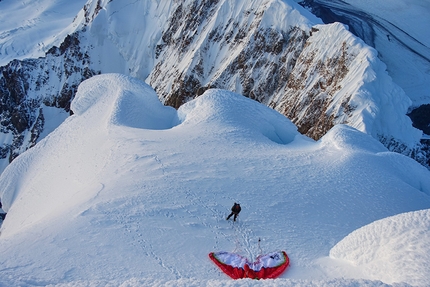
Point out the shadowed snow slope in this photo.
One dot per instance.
(140, 198)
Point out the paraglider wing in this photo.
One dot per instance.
(231, 264)
(266, 266)
(270, 265)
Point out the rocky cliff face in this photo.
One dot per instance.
(28, 87)
(241, 53)
(267, 50)
(398, 45)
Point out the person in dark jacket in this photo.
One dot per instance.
(2, 214)
(234, 211)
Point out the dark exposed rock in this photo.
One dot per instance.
(420, 153)
(421, 118)
(186, 90)
(25, 88)
(310, 114)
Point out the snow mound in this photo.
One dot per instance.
(232, 110)
(394, 249)
(349, 139)
(124, 101)
(346, 137)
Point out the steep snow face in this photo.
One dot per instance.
(265, 50)
(29, 28)
(398, 29)
(141, 197)
(339, 79)
(230, 45)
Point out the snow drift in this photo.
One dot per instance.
(385, 247)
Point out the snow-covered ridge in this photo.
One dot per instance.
(260, 50)
(397, 28)
(399, 31)
(141, 198)
(112, 101)
(339, 79)
(264, 50)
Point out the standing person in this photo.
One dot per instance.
(2, 213)
(235, 210)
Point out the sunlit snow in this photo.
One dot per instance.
(128, 192)
(30, 28)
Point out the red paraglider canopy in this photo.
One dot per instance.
(267, 266)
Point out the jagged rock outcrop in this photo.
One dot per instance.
(266, 50)
(386, 36)
(28, 87)
(316, 78)
(242, 53)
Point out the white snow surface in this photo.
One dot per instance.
(402, 38)
(383, 248)
(404, 42)
(128, 192)
(28, 28)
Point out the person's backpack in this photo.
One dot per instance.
(237, 207)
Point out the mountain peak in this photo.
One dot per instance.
(273, 52)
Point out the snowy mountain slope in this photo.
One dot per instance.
(398, 30)
(344, 82)
(265, 50)
(29, 28)
(141, 198)
(36, 93)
